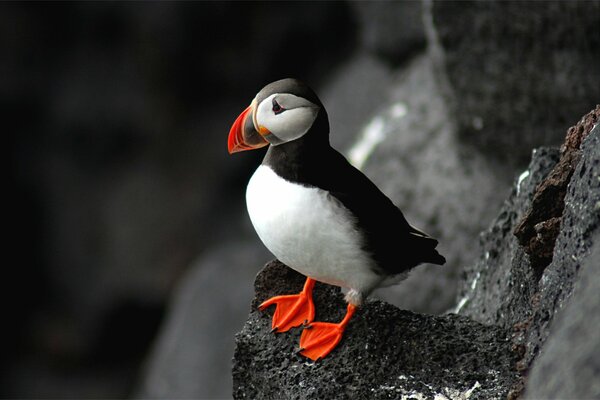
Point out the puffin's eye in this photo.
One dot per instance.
(277, 109)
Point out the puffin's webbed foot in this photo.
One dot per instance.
(292, 310)
(320, 338)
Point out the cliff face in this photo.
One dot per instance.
(507, 311)
(521, 282)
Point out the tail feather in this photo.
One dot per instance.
(427, 244)
(435, 258)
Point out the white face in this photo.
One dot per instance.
(286, 116)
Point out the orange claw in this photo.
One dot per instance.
(320, 338)
(292, 310)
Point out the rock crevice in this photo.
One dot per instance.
(538, 229)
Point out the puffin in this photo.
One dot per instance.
(318, 214)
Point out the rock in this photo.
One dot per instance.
(390, 30)
(191, 357)
(503, 288)
(386, 352)
(347, 96)
(443, 145)
(539, 227)
(507, 64)
(580, 224)
(569, 363)
(497, 283)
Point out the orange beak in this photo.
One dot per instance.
(243, 135)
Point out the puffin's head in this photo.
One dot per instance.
(281, 112)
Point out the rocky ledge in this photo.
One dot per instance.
(386, 352)
(505, 314)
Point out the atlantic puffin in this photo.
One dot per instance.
(318, 214)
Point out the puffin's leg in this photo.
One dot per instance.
(319, 338)
(292, 310)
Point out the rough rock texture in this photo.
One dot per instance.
(518, 72)
(386, 352)
(502, 288)
(497, 285)
(569, 363)
(501, 284)
(539, 227)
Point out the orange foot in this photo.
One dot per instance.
(292, 310)
(319, 338)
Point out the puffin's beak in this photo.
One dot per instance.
(243, 135)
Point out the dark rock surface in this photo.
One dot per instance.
(502, 288)
(386, 352)
(502, 283)
(538, 229)
(497, 283)
(504, 60)
(205, 309)
(569, 363)
(381, 33)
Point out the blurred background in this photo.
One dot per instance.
(132, 256)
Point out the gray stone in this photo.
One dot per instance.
(392, 30)
(502, 288)
(568, 365)
(580, 223)
(519, 72)
(192, 355)
(386, 353)
(348, 96)
(500, 281)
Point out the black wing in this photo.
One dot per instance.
(393, 242)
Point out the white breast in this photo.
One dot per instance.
(309, 230)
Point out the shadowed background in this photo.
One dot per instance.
(127, 215)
